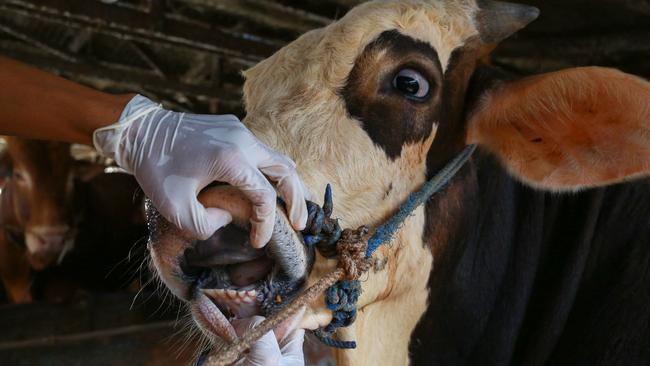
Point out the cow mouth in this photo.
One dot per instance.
(231, 280)
(228, 279)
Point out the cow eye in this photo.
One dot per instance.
(412, 84)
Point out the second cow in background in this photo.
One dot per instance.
(64, 222)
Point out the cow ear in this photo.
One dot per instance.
(570, 129)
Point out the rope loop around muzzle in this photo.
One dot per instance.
(354, 249)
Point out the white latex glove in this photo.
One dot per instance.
(267, 351)
(175, 155)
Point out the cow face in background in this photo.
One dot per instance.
(378, 101)
(38, 206)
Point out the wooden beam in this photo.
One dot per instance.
(135, 24)
(265, 13)
(34, 42)
(577, 49)
(107, 76)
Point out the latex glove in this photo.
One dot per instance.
(267, 351)
(174, 155)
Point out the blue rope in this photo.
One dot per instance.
(385, 232)
(326, 339)
(341, 298)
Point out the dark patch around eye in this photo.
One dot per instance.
(390, 119)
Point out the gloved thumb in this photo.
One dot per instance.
(264, 352)
(202, 222)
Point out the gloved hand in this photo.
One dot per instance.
(174, 155)
(268, 351)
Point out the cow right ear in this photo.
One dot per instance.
(570, 129)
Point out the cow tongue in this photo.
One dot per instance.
(207, 314)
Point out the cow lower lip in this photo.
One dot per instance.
(211, 318)
(218, 301)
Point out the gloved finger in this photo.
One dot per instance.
(202, 222)
(291, 189)
(183, 209)
(263, 198)
(292, 349)
(264, 352)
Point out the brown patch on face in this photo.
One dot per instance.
(462, 86)
(442, 223)
(392, 118)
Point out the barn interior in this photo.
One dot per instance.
(188, 54)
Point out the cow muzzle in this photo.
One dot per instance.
(224, 278)
(48, 245)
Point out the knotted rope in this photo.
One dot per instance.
(355, 252)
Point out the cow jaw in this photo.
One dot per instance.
(223, 278)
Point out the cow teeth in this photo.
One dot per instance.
(215, 294)
(233, 296)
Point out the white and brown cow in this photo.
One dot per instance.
(379, 101)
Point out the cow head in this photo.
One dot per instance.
(378, 101)
(38, 206)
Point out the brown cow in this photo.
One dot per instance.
(63, 213)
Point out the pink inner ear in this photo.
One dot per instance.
(568, 129)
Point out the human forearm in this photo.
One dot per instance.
(40, 105)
